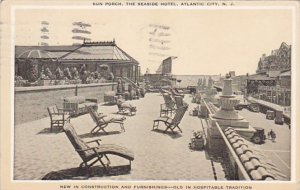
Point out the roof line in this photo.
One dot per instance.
(21, 54)
(127, 55)
(70, 52)
(119, 53)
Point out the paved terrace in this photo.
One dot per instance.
(158, 156)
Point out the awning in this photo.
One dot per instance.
(37, 54)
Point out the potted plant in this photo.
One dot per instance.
(198, 141)
(59, 76)
(195, 111)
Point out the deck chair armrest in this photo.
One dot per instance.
(64, 111)
(86, 149)
(60, 109)
(101, 116)
(169, 120)
(60, 113)
(96, 141)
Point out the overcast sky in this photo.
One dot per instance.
(205, 41)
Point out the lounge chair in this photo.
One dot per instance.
(58, 117)
(171, 123)
(93, 154)
(176, 92)
(125, 107)
(164, 91)
(179, 102)
(168, 107)
(103, 121)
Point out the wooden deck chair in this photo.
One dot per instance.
(57, 117)
(171, 123)
(168, 107)
(164, 91)
(176, 93)
(93, 154)
(103, 121)
(179, 102)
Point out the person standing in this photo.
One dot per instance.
(273, 135)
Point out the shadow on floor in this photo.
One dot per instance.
(108, 104)
(173, 135)
(55, 130)
(84, 174)
(124, 114)
(90, 135)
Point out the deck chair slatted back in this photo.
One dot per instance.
(179, 101)
(178, 115)
(171, 123)
(95, 154)
(77, 142)
(94, 115)
(169, 101)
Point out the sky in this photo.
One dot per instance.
(204, 41)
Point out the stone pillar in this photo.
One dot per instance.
(215, 142)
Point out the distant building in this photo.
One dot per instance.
(272, 81)
(166, 66)
(163, 75)
(279, 60)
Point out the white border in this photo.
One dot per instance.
(77, 7)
